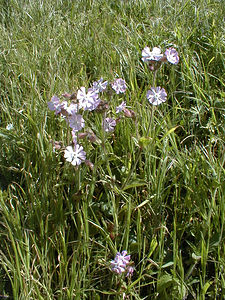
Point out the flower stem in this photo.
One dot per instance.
(104, 150)
(154, 77)
(132, 169)
(141, 148)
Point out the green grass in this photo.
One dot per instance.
(59, 226)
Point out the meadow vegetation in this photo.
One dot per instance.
(157, 185)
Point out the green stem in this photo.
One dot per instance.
(141, 148)
(132, 169)
(104, 150)
(154, 77)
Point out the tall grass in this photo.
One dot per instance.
(61, 227)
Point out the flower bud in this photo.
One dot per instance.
(92, 137)
(66, 95)
(89, 164)
(82, 135)
(129, 113)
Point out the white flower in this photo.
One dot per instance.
(73, 108)
(75, 155)
(89, 100)
(9, 126)
(156, 95)
(148, 55)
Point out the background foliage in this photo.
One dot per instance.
(60, 227)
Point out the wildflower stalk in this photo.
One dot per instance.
(132, 169)
(153, 108)
(141, 148)
(139, 152)
(152, 111)
(68, 134)
(154, 77)
(104, 151)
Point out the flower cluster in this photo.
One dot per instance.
(121, 264)
(89, 100)
(170, 55)
(158, 95)
(86, 100)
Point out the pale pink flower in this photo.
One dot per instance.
(109, 124)
(156, 95)
(120, 262)
(119, 85)
(172, 56)
(130, 271)
(100, 86)
(54, 104)
(76, 122)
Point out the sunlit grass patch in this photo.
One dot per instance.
(151, 181)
